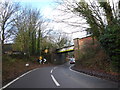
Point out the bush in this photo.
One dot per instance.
(92, 56)
(110, 41)
(88, 50)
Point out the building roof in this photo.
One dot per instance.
(8, 47)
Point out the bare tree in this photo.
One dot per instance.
(59, 39)
(104, 22)
(27, 23)
(67, 15)
(97, 15)
(31, 31)
(7, 12)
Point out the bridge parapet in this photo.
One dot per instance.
(65, 49)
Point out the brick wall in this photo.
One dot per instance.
(78, 44)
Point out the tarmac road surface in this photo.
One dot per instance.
(61, 76)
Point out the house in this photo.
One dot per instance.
(8, 49)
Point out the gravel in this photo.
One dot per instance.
(103, 75)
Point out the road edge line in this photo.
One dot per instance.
(73, 70)
(17, 79)
(84, 73)
(55, 81)
(81, 72)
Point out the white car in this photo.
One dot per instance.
(72, 60)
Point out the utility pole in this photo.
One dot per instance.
(119, 10)
(40, 42)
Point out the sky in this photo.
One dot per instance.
(47, 8)
(49, 11)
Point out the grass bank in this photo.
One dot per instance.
(94, 61)
(13, 67)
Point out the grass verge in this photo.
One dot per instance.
(14, 67)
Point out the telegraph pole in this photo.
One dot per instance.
(40, 42)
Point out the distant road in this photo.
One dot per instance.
(59, 77)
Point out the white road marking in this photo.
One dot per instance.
(83, 73)
(72, 70)
(17, 79)
(9, 83)
(80, 72)
(54, 67)
(55, 81)
(51, 71)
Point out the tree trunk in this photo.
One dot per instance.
(3, 38)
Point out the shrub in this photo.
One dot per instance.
(110, 41)
(88, 50)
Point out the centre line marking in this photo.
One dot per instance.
(55, 81)
(51, 71)
(54, 67)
